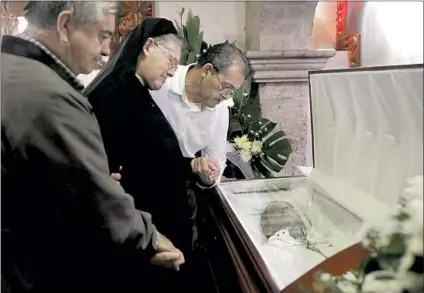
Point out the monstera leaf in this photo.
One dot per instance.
(237, 125)
(276, 151)
(260, 128)
(234, 129)
(241, 95)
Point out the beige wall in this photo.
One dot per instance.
(220, 21)
(324, 28)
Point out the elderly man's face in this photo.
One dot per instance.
(219, 86)
(88, 43)
(158, 64)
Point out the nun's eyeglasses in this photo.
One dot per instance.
(173, 62)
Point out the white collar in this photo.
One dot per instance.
(141, 80)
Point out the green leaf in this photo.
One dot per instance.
(185, 33)
(303, 289)
(277, 145)
(183, 59)
(179, 28)
(402, 216)
(242, 94)
(397, 245)
(258, 165)
(234, 128)
(193, 30)
(262, 127)
(191, 58)
(267, 162)
(362, 267)
(197, 45)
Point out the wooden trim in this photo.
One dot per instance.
(245, 259)
(131, 14)
(348, 259)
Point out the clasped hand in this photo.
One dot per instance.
(167, 255)
(206, 168)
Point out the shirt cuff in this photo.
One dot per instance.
(155, 240)
(201, 186)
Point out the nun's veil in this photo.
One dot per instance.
(124, 60)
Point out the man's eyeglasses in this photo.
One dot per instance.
(173, 62)
(226, 92)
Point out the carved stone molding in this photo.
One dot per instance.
(286, 66)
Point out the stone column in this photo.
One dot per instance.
(277, 38)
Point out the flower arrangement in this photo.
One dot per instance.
(396, 261)
(249, 150)
(255, 138)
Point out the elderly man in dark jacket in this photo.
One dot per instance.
(66, 225)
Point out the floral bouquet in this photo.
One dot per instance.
(255, 138)
(396, 261)
(249, 150)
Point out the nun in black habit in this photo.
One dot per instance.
(138, 137)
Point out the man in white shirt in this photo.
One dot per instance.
(192, 102)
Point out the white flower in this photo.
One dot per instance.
(374, 285)
(349, 276)
(414, 189)
(242, 143)
(366, 243)
(406, 263)
(415, 245)
(256, 147)
(245, 155)
(245, 94)
(347, 287)
(383, 241)
(412, 281)
(325, 277)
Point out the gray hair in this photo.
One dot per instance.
(43, 14)
(169, 41)
(223, 56)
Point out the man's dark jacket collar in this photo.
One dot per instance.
(23, 48)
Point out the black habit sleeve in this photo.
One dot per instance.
(77, 150)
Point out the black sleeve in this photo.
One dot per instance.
(187, 167)
(69, 136)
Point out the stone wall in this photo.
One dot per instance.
(277, 38)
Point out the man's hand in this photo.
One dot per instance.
(206, 168)
(167, 255)
(117, 176)
(169, 259)
(215, 168)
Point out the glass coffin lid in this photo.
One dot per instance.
(367, 141)
(291, 227)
